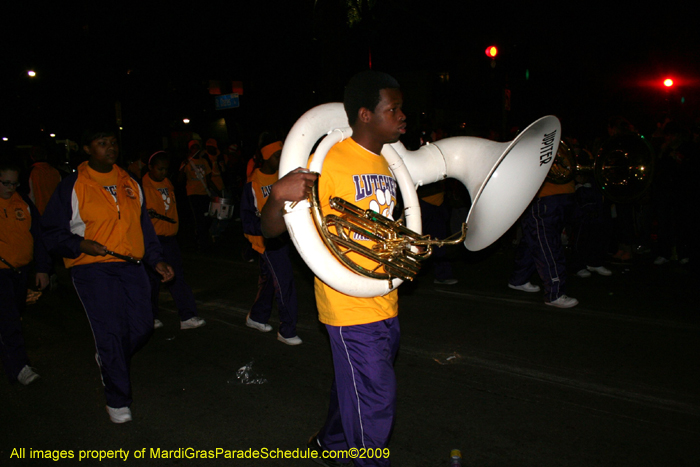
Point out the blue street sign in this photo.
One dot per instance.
(226, 101)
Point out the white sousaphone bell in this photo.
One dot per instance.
(502, 179)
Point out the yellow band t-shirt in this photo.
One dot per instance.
(362, 178)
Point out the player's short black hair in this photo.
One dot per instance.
(158, 156)
(363, 91)
(97, 131)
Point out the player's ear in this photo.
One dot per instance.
(364, 114)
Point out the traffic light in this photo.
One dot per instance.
(491, 51)
(668, 82)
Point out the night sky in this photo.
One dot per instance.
(582, 66)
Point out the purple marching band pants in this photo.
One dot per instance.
(540, 248)
(13, 299)
(363, 394)
(117, 300)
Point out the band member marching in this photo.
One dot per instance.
(162, 208)
(97, 211)
(276, 274)
(364, 332)
(20, 244)
(197, 175)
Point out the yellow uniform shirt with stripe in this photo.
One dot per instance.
(107, 209)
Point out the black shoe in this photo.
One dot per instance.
(315, 445)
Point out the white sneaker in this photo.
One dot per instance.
(120, 415)
(194, 322)
(563, 302)
(262, 327)
(157, 324)
(526, 287)
(584, 273)
(602, 270)
(27, 375)
(296, 340)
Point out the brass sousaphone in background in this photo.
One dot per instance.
(623, 167)
(502, 179)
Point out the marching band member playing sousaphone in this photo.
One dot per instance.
(364, 332)
(162, 208)
(97, 220)
(341, 222)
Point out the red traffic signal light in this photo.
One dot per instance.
(668, 82)
(491, 51)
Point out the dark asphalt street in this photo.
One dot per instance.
(483, 368)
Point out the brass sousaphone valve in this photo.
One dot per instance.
(396, 249)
